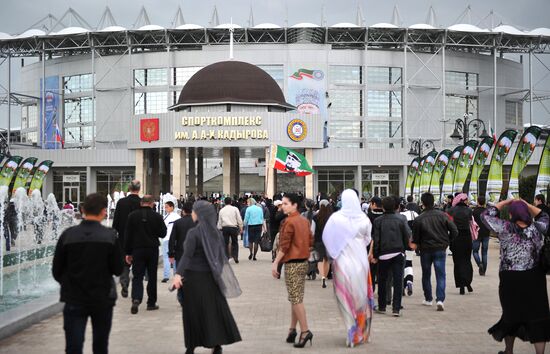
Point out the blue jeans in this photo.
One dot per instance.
(165, 261)
(484, 242)
(75, 318)
(437, 258)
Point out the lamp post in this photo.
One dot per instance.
(464, 126)
(420, 145)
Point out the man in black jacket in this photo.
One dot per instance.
(433, 231)
(143, 230)
(177, 239)
(123, 208)
(482, 237)
(85, 260)
(391, 237)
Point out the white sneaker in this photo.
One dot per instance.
(440, 306)
(427, 303)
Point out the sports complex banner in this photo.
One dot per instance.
(39, 174)
(48, 118)
(525, 149)
(439, 168)
(543, 178)
(494, 180)
(411, 174)
(23, 173)
(482, 154)
(427, 170)
(8, 170)
(463, 165)
(450, 171)
(306, 91)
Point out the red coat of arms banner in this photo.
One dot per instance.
(149, 129)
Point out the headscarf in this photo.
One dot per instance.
(213, 245)
(343, 225)
(459, 199)
(323, 202)
(519, 212)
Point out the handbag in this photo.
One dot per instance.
(265, 243)
(474, 229)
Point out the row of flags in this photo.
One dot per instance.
(459, 170)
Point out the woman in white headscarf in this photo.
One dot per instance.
(346, 236)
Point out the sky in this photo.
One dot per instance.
(18, 15)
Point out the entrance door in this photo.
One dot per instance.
(72, 194)
(381, 190)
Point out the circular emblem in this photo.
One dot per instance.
(297, 130)
(318, 75)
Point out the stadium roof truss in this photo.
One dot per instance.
(348, 38)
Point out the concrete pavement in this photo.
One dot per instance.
(262, 314)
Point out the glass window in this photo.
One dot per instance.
(384, 103)
(78, 110)
(461, 80)
(457, 105)
(276, 72)
(346, 102)
(78, 83)
(342, 129)
(333, 182)
(345, 74)
(150, 77)
(150, 102)
(514, 113)
(78, 136)
(383, 75)
(109, 182)
(180, 76)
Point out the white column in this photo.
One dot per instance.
(140, 170)
(179, 172)
(309, 178)
(227, 171)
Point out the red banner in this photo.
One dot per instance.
(149, 129)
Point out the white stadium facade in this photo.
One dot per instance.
(372, 90)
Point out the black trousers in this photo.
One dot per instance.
(145, 259)
(395, 267)
(231, 234)
(125, 276)
(75, 318)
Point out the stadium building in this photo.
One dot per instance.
(195, 109)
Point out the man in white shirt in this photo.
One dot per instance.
(231, 224)
(169, 219)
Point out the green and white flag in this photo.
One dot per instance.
(494, 180)
(418, 179)
(463, 165)
(449, 176)
(438, 170)
(290, 161)
(23, 173)
(39, 175)
(482, 154)
(427, 170)
(411, 174)
(525, 149)
(543, 178)
(8, 170)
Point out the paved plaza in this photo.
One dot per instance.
(262, 314)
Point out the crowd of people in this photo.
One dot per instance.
(366, 247)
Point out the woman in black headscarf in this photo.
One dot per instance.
(206, 280)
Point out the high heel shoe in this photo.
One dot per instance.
(291, 335)
(470, 289)
(304, 339)
(462, 292)
(217, 350)
(324, 283)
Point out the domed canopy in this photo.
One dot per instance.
(231, 82)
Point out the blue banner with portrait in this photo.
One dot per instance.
(306, 91)
(49, 119)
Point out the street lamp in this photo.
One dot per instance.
(463, 126)
(418, 145)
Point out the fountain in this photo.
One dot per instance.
(35, 226)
